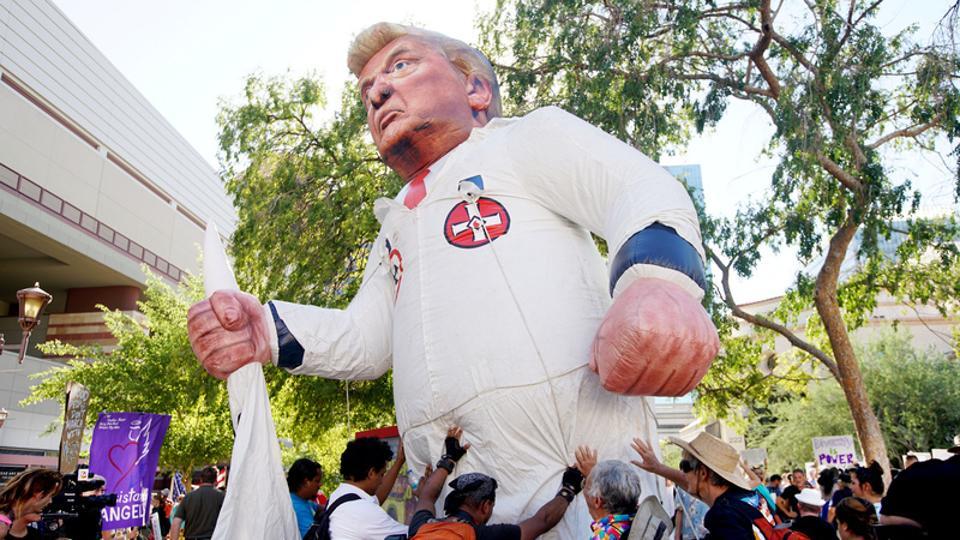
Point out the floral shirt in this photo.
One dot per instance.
(611, 527)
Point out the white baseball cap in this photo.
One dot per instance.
(810, 497)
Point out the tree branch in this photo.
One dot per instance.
(763, 322)
(794, 52)
(736, 85)
(761, 47)
(852, 24)
(837, 172)
(911, 131)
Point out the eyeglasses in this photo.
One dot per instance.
(687, 465)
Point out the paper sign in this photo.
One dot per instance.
(836, 451)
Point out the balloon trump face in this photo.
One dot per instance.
(419, 105)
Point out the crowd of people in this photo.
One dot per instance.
(714, 493)
(713, 501)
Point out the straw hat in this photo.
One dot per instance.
(717, 456)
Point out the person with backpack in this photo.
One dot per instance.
(711, 471)
(303, 479)
(469, 506)
(354, 512)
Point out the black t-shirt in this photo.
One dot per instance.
(790, 495)
(814, 527)
(484, 532)
(730, 518)
(922, 493)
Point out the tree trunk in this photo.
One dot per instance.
(851, 379)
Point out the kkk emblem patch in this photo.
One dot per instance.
(470, 225)
(395, 266)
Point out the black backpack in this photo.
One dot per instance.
(320, 529)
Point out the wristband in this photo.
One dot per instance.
(567, 494)
(446, 464)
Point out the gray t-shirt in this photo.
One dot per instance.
(200, 509)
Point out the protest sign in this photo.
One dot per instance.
(755, 457)
(834, 451)
(125, 450)
(74, 420)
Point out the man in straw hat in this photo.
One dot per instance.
(484, 290)
(711, 470)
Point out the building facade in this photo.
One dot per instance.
(95, 185)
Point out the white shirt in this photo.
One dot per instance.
(362, 519)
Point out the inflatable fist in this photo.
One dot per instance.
(656, 340)
(228, 331)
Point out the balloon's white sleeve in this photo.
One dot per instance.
(352, 343)
(607, 187)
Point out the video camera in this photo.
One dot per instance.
(72, 514)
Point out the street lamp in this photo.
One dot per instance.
(32, 301)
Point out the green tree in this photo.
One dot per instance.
(842, 95)
(153, 370)
(304, 192)
(916, 395)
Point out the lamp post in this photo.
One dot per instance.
(32, 301)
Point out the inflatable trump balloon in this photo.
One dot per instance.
(485, 292)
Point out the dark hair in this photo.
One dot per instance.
(25, 485)
(776, 478)
(209, 475)
(827, 479)
(801, 471)
(713, 477)
(302, 470)
(872, 475)
(362, 455)
(844, 477)
(859, 515)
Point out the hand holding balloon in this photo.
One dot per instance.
(228, 331)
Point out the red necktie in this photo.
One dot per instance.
(416, 191)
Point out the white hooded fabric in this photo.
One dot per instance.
(485, 299)
(257, 503)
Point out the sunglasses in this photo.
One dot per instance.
(687, 465)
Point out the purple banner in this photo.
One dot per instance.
(125, 450)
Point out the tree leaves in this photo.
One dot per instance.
(835, 86)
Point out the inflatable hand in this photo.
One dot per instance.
(656, 340)
(228, 331)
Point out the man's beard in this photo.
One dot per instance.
(405, 148)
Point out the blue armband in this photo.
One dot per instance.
(658, 245)
(291, 352)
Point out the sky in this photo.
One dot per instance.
(185, 56)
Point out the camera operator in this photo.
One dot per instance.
(74, 511)
(22, 500)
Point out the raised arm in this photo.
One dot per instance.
(433, 485)
(390, 478)
(232, 329)
(649, 462)
(551, 513)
